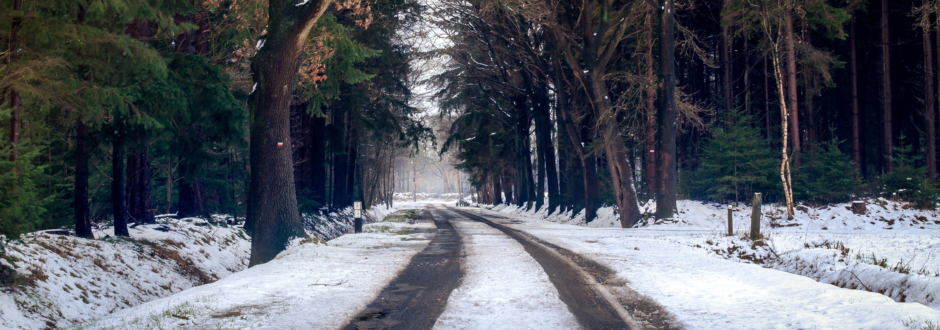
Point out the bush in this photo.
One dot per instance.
(735, 163)
(21, 208)
(908, 179)
(826, 176)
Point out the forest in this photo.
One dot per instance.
(116, 112)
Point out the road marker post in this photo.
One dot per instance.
(730, 222)
(357, 214)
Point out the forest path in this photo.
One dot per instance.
(580, 283)
(416, 297)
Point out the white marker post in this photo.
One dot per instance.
(357, 214)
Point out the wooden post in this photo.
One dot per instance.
(755, 217)
(858, 207)
(730, 222)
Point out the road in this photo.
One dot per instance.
(499, 286)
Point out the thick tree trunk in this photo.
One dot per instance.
(853, 74)
(794, 120)
(82, 213)
(652, 179)
(540, 175)
(117, 186)
(272, 197)
(929, 104)
(666, 202)
(886, 87)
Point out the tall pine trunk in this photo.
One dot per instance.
(652, 179)
(853, 74)
(318, 160)
(117, 186)
(272, 201)
(886, 87)
(82, 212)
(666, 203)
(543, 137)
(929, 102)
(794, 119)
(15, 102)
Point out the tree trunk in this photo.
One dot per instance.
(272, 197)
(318, 160)
(117, 186)
(140, 207)
(652, 181)
(785, 160)
(82, 213)
(666, 203)
(766, 101)
(794, 120)
(853, 74)
(725, 56)
(929, 104)
(886, 87)
(351, 174)
(497, 197)
(543, 137)
(13, 44)
(192, 202)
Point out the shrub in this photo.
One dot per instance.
(908, 179)
(827, 175)
(736, 162)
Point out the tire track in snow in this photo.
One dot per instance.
(591, 304)
(503, 288)
(416, 297)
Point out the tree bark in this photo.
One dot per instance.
(886, 87)
(543, 136)
(929, 103)
(652, 181)
(82, 213)
(13, 44)
(853, 74)
(666, 203)
(117, 186)
(725, 56)
(794, 120)
(272, 196)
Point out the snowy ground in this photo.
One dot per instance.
(312, 285)
(713, 281)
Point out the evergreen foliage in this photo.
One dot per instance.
(908, 180)
(736, 162)
(827, 176)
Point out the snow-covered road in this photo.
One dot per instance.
(503, 288)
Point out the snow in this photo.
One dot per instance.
(311, 285)
(75, 280)
(796, 280)
(503, 288)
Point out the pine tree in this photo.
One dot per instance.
(827, 175)
(736, 162)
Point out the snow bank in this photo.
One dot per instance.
(60, 280)
(312, 285)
